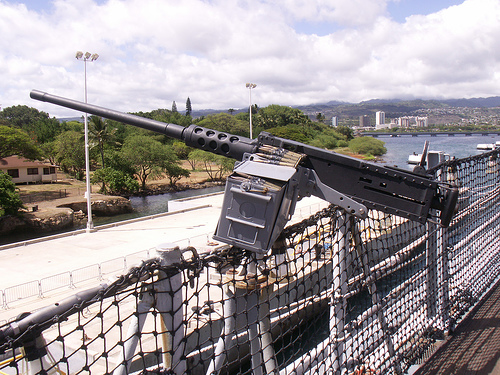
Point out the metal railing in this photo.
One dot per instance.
(339, 294)
(70, 279)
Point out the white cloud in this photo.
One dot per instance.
(344, 12)
(153, 52)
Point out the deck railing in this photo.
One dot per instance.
(337, 295)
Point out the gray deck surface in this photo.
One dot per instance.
(474, 346)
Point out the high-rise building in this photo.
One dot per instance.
(335, 122)
(421, 122)
(379, 118)
(404, 122)
(364, 121)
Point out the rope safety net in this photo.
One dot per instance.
(338, 294)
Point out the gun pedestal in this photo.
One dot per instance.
(246, 306)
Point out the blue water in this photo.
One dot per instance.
(459, 146)
(156, 204)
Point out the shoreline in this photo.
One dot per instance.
(61, 214)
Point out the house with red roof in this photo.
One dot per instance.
(27, 171)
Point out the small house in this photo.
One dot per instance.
(27, 171)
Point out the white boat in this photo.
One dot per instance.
(488, 146)
(414, 158)
(432, 158)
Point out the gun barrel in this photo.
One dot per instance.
(221, 143)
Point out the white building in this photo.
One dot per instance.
(379, 118)
(421, 122)
(335, 122)
(404, 122)
(22, 170)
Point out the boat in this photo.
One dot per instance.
(432, 158)
(488, 146)
(414, 158)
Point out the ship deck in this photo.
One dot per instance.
(474, 346)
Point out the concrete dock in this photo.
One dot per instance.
(192, 223)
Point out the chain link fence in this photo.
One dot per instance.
(338, 295)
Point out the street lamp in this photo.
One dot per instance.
(250, 86)
(87, 57)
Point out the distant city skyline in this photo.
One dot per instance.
(153, 53)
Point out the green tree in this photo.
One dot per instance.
(17, 142)
(36, 123)
(367, 146)
(224, 122)
(100, 133)
(346, 131)
(117, 160)
(49, 151)
(215, 165)
(150, 158)
(189, 109)
(172, 117)
(292, 132)
(70, 153)
(174, 172)
(181, 149)
(320, 117)
(10, 202)
(115, 182)
(174, 107)
(274, 116)
(328, 139)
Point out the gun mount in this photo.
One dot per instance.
(274, 173)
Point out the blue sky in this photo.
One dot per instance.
(154, 52)
(399, 10)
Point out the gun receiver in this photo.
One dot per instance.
(275, 172)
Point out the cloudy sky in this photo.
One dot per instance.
(154, 52)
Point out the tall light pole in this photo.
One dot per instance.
(87, 57)
(250, 86)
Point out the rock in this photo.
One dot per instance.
(111, 206)
(59, 218)
(65, 215)
(102, 205)
(9, 224)
(56, 219)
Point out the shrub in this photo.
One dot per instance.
(367, 145)
(10, 202)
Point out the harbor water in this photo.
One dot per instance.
(458, 146)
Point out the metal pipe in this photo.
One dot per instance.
(228, 332)
(133, 333)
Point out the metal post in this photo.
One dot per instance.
(250, 302)
(39, 359)
(171, 308)
(443, 274)
(250, 86)
(376, 300)
(229, 316)
(134, 332)
(90, 224)
(338, 307)
(265, 331)
(86, 57)
(431, 269)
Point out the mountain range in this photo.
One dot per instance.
(394, 107)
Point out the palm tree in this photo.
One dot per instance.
(100, 133)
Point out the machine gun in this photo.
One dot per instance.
(273, 173)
